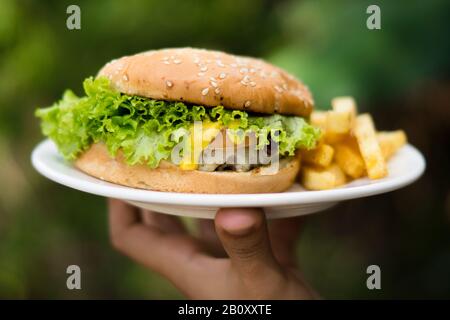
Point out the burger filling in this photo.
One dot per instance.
(148, 131)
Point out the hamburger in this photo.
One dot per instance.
(135, 114)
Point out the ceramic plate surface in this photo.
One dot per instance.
(405, 167)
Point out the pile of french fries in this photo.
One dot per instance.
(349, 147)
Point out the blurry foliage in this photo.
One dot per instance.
(327, 45)
(45, 227)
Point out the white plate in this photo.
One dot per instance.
(405, 167)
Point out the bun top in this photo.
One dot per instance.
(210, 78)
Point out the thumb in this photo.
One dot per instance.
(244, 236)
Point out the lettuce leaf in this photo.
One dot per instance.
(146, 130)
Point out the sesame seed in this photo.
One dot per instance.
(300, 94)
(285, 87)
(166, 62)
(244, 82)
(234, 65)
(253, 83)
(125, 77)
(217, 90)
(201, 74)
(247, 104)
(278, 89)
(205, 91)
(214, 84)
(222, 75)
(169, 83)
(196, 60)
(177, 61)
(165, 58)
(252, 70)
(241, 61)
(246, 78)
(220, 63)
(203, 68)
(212, 79)
(243, 70)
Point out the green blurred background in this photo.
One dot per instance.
(399, 73)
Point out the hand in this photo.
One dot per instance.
(249, 270)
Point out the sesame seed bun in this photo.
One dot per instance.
(210, 78)
(168, 177)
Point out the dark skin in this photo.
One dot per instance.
(236, 256)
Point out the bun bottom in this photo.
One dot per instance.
(168, 177)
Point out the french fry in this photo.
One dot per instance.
(349, 159)
(364, 131)
(345, 104)
(314, 178)
(338, 126)
(390, 142)
(339, 122)
(332, 137)
(319, 119)
(349, 147)
(320, 156)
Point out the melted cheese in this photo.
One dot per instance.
(200, 136)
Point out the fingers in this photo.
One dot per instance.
(283, 235)
(175, 256)
(208, 236)
(244, 235)
(160, 243)
(121, 216)
(164, 222)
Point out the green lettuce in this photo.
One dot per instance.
(146, 130)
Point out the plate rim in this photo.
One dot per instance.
(225, 200)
